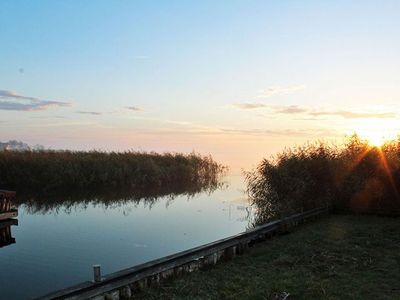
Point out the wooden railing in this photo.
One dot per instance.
(123, 284)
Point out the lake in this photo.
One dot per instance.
(57, 248)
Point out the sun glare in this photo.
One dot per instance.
(376, 132)
(375, 139)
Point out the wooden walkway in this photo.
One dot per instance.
(125, 283)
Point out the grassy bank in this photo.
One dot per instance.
(338, 257)
(53, 171)
(355, 176)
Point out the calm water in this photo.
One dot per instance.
(58, 248)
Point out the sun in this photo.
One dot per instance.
(376, 131)
(374, 138)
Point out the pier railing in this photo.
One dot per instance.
(125, 283)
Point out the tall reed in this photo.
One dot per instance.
(51, 171)
(354, 176)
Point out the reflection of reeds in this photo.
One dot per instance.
(356, 176)
(94, 174)
(66, 201)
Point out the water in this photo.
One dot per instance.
(57, 248)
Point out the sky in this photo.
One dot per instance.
(240, 80)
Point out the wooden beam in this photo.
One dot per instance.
(13, 213)
(7, 194)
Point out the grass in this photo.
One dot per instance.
(336, 257)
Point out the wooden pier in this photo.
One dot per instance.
(7, 215)
(7, 210)
(124, 284)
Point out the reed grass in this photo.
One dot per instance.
(354, 176)
(46, 171)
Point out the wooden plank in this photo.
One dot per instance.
(13, 213)
(8, 194)
(130, 275)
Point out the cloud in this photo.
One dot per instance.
(292, 109)
(10, 100)
(279, 90)
(201, 130)
(134, 108)
(346, 114)
(10, 94)
(113, 112)
(249, 105)
(94, 113)
(310, 113)
(280, 132)
(269, 92)
(354, 115)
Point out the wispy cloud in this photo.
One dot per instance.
(12, 94)
(249, 105)
(346, 114)
(10, 100)
(133, 108)
(280, 132)
(93, 113)
(279, 90)
(291, 109)
(113, 112)
(355, 115)
(223, 131)
(311, 113)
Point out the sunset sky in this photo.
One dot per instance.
(239, 80)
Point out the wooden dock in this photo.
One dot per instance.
(7, 210)
(124, 284)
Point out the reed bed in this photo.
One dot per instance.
(354, 176)
(45, 172)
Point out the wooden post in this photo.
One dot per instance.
(97, 273)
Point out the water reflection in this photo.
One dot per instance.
(7, 213)
(6, 238)
(70, 200)
(60, 237)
